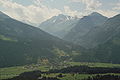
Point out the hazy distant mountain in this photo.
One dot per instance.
(59, 25)
(107, 38)
(23, 44)
(86, 24)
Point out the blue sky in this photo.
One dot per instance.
(37, 11)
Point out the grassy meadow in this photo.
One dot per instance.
(15, 71)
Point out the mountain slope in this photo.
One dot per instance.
(107, 38)
(110, 49)
(59, 25)
(24, 44)
(83, 27)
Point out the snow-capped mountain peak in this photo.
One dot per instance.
(59, 24)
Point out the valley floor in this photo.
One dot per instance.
(10, 72)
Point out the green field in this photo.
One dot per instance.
(95, 64)
(15, 71)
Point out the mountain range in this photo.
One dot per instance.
(93, 38)
(99, 35)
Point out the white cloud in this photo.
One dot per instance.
(90, 4)
(37, 12)
(32, 13)
(107, 13)
(93, 6)
(70, 12)
(38, 2)
(117, 6)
